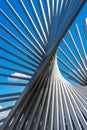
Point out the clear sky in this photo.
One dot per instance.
(8, 89)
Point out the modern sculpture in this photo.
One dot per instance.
(48, 101)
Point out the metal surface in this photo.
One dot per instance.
(46, 101)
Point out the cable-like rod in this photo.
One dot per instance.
(26, 28)
(36, 61)
(15, 70)
(34, 26)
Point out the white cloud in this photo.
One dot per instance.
(3, 114)
(86, 20)
(18, 74)
(1, 107)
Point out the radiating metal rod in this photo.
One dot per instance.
(15, 37)
(8, 99)
(15, 77)
(38, 20)
(68, 59)
(10, 94)
(20, 50)
(81, 79)
(5, 109)
(64, 42)
(34, 26)
(16, 63)
(15, 70)
(42, 70)
(26, 28)
(19, 57)
(12, 84)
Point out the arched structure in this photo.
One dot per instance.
(31, 33)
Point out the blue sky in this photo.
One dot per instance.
(80, 19)
(8, 89)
